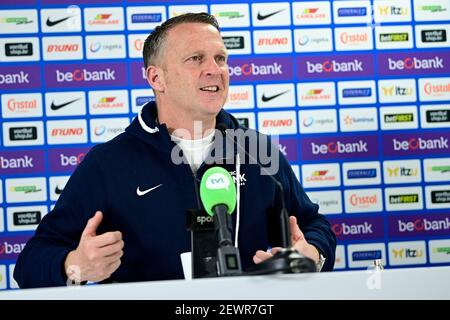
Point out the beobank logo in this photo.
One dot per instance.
(407, 144)
(66, 160)
(342, 66)
(17, 162)
(260, 69)
(357, 228)
(11, 247)
(419, 225)
(339, 147)
(414, 64)
(85, 75)
(25, 77)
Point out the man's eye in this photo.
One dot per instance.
(222, 59)
(196, 58)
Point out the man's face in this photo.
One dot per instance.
(195, 71)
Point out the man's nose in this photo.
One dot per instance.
(212, 68)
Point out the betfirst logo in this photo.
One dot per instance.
(85, 75)
(420, 144)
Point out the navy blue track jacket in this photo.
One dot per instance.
(154, 225)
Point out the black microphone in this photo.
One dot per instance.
(287, 260)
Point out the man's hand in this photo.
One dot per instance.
(298, 241)
(97, 256)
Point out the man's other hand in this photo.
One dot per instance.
(97, 256)
(298, 242)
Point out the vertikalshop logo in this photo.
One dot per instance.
(421, 63)
(85, 75)
(14, 78)
(66, 160)
(358, 228)
(422, 144)
(11, 247)
(260, 69)
(339, 147)
(332, 66)
(419, 225)
(17, 162)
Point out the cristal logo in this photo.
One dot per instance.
(84, 75)
(423, 224)
(436, 89)
(138, 44)
(416, 64)
(249, 69)
(334, 66)
(354, 229)
(66, 132)
(21, 106)
(238, 96)
(363, 201)
(407, 253)
(339, 147)
(353, 38)
(420, 144)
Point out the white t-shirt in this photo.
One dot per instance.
(195, 151)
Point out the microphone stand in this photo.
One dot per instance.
(287, 260)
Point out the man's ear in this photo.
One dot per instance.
(155, 78)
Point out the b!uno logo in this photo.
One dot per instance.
(73, 47)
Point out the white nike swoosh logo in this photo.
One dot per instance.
(144, 192)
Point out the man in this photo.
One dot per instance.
(122, 214)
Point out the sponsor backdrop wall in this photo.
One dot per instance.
(359, 90)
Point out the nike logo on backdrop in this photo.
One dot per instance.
(54, 23)
(265, 99)
(140, 193)
(55, 107)
(58, 190)
(265, 16)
